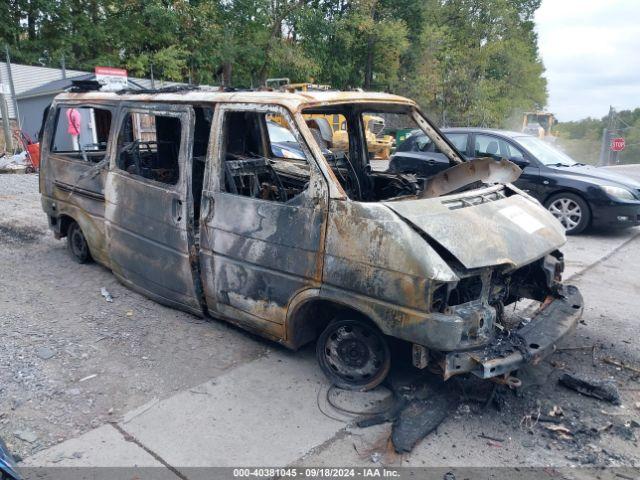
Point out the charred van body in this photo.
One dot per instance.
(261, 208)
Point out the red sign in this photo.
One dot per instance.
(617, 144)
(112, 79)
(111, 71)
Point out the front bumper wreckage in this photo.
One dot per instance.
(529, 344)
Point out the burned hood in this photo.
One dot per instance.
(486, 227)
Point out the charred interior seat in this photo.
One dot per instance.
(248, 171)
(155, 160)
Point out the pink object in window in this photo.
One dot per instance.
(73, 118)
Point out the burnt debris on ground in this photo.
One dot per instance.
(421, 403)
(592, 387)
(554, 416)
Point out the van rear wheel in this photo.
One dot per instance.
(353, 354)
(77, 244)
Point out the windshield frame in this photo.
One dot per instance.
(543, 152)
(355, 109)
(422, 122)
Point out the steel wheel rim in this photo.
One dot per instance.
(567, 211)
(78, 243)
(355, 353)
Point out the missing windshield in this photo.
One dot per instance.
(360, 142)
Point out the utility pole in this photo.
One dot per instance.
(605, 148)
(613, 131)
(12, 88)
(4, 110)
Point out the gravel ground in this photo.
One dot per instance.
(70, 361)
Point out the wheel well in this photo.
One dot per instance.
(65, 222)
(313, 316)
(557, 192)
(573, 192)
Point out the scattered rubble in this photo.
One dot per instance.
(600, 389)
(13, 163)
(45, 353)
(561, 430)
(26, 435)
(422, 402)
(620, 364)
(105, 293)
(419, 418)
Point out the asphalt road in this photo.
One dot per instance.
(131, 383)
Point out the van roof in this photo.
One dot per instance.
(294, 101)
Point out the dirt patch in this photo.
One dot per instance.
(19, 235)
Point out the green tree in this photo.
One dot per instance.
(465, 61)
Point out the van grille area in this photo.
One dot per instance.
(474, 200)
(467, 290)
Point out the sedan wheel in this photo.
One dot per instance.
(571, 211)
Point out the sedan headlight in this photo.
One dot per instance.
(618, 193)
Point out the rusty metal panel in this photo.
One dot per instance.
(292, 101)
(75, 187)
(371, 251)
(264, 252)
(256, 255)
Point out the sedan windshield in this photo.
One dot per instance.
(280, 134)
(544, 152)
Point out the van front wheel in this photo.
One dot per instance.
(353, 354)
(77, 244)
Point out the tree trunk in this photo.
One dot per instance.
(31, 20)
(368, 70)
(227, 68)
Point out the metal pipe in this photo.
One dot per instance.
(6, 125)
(12, 88)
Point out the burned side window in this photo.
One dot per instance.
(81, 132)
(262, 157)
(149, 146)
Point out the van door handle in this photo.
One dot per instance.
(176, 209)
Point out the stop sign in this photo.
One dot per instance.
(617, 144)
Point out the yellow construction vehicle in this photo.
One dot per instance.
(539, 123)
(378, 145)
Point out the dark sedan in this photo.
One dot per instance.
(578, 195)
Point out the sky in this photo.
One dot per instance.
(591, 52)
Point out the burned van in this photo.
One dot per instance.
(262, 209)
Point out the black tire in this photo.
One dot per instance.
(571, 210)
(77, 244)
(353, 354)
